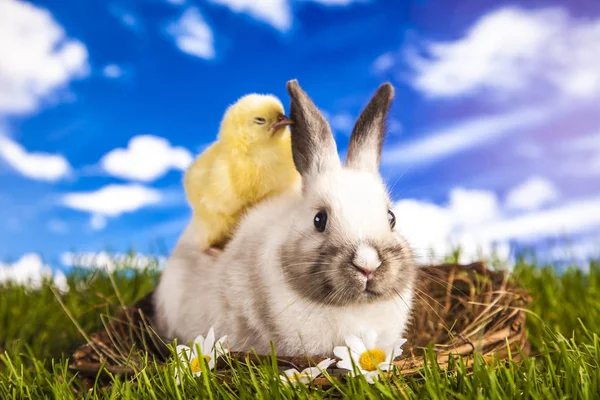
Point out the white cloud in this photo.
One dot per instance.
(38, 166)
(595, 164)
(337, 2)
(112, 71)
(581, 251)
(145, 159)
(513, 50)
(472, 207)
(192, 34)
(342, 122)
(58, 226)
(128, 19)
(431, 227)
(31, 271)
(543, 65)
(425, 225)
(568, 219)
(590, 142)
(581, 166)
(463, 136)
(394, 126)
(111, 261)
(113, 200)
(532, 194)
(582, 155)
(277, 13)
(434, 230)
(60, 281)
(36, 57)
(529, 150)
(384, 63)
(98, 222)
(176, 2)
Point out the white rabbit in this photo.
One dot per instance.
(308, 267)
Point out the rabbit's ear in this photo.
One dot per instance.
(364, 149)
(313, 146)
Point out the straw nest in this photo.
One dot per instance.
(460, 311)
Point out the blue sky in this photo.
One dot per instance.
(494, 135)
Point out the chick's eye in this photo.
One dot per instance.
(260, 121)
(391, 219)
(321, 221)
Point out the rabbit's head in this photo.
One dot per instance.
(343, 248)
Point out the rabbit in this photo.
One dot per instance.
(307, 267)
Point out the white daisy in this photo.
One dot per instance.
(307, 375)
(366, 356)
(209, 350)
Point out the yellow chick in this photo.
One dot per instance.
(250, 160)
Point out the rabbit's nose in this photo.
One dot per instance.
(366, 260)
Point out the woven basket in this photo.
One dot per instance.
(460, 310)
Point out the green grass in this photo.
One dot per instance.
(37, 337)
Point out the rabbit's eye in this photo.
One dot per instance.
(260, 121)
(321, 221)
(391, 219)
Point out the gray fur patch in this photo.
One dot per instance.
(327, 275)
(313, 145)
(366, 142)
(261, 306)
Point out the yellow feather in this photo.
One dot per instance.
(248, 162)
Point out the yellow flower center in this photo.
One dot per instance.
(196, 365)
(370, 359)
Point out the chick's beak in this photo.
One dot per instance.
(282, 121)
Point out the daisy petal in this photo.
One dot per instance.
(395, 353)
(325, 363)
(398, 352)
(221, 347)
(209, 343)
(372, 377)
(385, 366)
(303, 378)
(291, 372)
(287, 380)
(199, 341)
(311, 372)
(184, 353)
(211, 363)
(342, 352)
(370, 339)
(392, 352)
(346, 357)
(345, 364)
(180, 348)
(355, 344)
(352, 373)
(222, 339)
